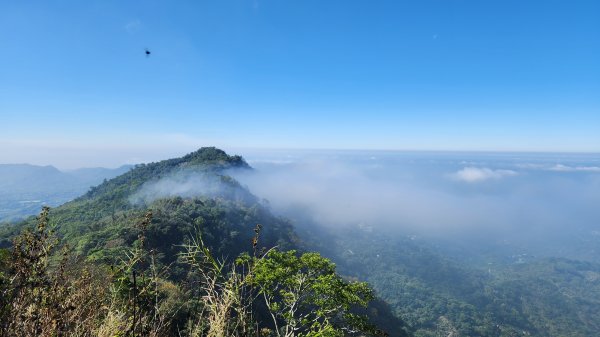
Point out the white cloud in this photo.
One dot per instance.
(558, 167)
(565, 168)
(476, 174)
(531, 166)
(417, 197)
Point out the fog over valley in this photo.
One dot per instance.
(541, 203)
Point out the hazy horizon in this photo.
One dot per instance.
(74, 162)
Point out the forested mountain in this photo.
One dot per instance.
(101, 221)
(438, 295)
(435, 291)
(25, 188)
(179, 209)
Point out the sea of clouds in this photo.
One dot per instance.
(523, 196)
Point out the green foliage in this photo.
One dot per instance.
(438, 296)
(303, 294)
(206, 159)
(101, 225)
(135, 297)
(306, 297)
(38, 300)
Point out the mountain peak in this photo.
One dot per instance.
(212, 156)
(206, 159)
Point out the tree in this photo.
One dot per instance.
(38, 300)
(305, 296)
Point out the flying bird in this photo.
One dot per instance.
(147, 52)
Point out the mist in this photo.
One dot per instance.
(190, 183)
(529, 199)
(544, 202)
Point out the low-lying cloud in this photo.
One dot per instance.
(565, 168)
(476, 174)
(429, 194)
(189, 184)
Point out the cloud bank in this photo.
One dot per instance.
(565, 168)
(433, 194)
(189, 184)
(430, 194)
(475, 174)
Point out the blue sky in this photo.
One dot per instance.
(77, 90)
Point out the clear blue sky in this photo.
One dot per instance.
(77, 89)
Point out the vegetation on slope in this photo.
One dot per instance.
(102, 221)
(303, 294)
(435, 295)
(153, 266)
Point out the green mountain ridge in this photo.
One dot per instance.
(101, 225)
(105, 214)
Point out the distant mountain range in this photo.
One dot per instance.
(24, 188)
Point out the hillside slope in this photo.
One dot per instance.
(437, 295)
(101, 222)
(188, 195)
